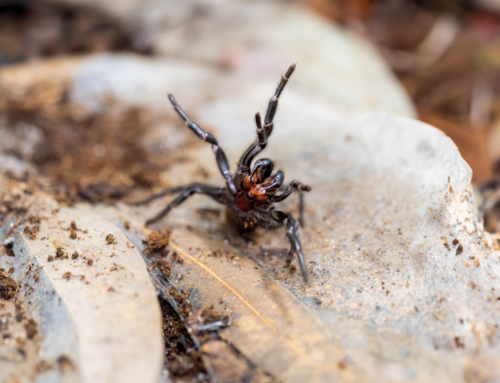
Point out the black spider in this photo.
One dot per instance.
(249, 193)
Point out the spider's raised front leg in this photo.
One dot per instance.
(209, 190)
(220, 156)
(264, 131)
(292, 228)
(294, 186)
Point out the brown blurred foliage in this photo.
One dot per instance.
(446, 55)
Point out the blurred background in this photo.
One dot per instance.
(438, 61)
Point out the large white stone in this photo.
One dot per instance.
(388, 194)
(252, 42)
(259, 39)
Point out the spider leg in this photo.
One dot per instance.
(162, 194)
(292, 228)
(264, 132)
(294, 186)
(220, 156)
(211, 191)
(301, 210)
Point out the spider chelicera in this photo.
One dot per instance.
(251, 191)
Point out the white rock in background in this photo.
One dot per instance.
(259, 40)
(137, 80)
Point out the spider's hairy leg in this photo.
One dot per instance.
(301, 210)
(273, 103)
(209, 190)
(260, 131)
(220, 156)
(292, 228)
(162, 194)
(293, 187)
(264, 131)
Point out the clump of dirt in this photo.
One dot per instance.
(93, 156)
(215, 253)
(7, 285)
(34, 219)
(177, 258)
(110, 239)
(103, 160)
(31, 231)
(163, 266)
(156, 244)
(65, 363)
(180, 295)
(73, 228)
(31, 328)
(60, 254)
(157, 241)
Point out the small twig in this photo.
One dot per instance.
(38, 268)
(21, 279)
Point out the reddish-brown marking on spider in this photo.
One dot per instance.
(251, 192)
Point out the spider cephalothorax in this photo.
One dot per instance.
(250, 193)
